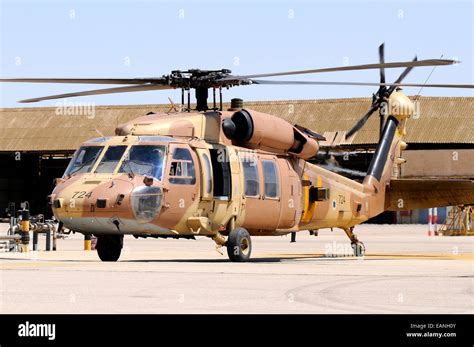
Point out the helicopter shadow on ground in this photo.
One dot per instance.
(270, 259)
(261, 260)
(289, 257)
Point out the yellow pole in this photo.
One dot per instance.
(25, 228)
(87, 242)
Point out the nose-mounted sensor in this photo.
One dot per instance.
(148, 181)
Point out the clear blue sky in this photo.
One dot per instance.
(50, 38)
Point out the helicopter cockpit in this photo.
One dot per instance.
(141, 158)
(111, 175)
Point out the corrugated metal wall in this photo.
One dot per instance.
(441, 120)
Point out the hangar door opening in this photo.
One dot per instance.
(29, 177)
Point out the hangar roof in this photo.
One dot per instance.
(442, 120)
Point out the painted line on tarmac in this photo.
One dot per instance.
(388, 256)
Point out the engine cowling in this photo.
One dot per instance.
(254, 130)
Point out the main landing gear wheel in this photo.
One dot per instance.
(239, 245)
(109, 247)
(359, 248)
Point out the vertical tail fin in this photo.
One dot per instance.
(383, 160)
(387, 154)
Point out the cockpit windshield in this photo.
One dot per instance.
(144, 160)
(110, 159)
(83, 160)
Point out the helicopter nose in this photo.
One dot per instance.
(89, 196)
(107, 205)
(79, 203)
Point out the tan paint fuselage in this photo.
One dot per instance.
(197, 208)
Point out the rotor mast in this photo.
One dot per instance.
(202, 94)
(200, 81)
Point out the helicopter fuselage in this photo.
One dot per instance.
(190, 180)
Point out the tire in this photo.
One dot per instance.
(239, 245)
(109, 247)
(358, 248)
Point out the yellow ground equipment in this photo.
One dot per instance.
(459, 222)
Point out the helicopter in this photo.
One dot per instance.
(234, 174)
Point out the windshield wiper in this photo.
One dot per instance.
(82, 165)
(131, 174)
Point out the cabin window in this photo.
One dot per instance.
(144, 160)
(207, 173)
(83, 160)
(252, 184)
(110, 159)
(271, 178)
(182, 167)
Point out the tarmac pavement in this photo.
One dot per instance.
(403, 271)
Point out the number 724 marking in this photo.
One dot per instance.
(81, 195)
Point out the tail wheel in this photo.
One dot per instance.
(109, 247)
(359, 248)
(239, 245)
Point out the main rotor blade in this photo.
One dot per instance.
(85, 80)
(382, 61)
(362, 121)
(429, 62)
(369, 84)
(127, 89)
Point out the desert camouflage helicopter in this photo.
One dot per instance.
(236, 173)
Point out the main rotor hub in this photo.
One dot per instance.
(196, 78)
(201, 81)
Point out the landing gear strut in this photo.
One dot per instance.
(239, 245)
(357, 246)
(109, 247)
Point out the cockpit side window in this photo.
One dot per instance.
(182, 167)
(83, 160)
(110, 159)
(144, 160)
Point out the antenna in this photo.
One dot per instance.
(426, 81)
(98, 132)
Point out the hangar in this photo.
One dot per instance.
(37, 143)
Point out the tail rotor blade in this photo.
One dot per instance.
(402, 77)
(382, 61)
(362, 121)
